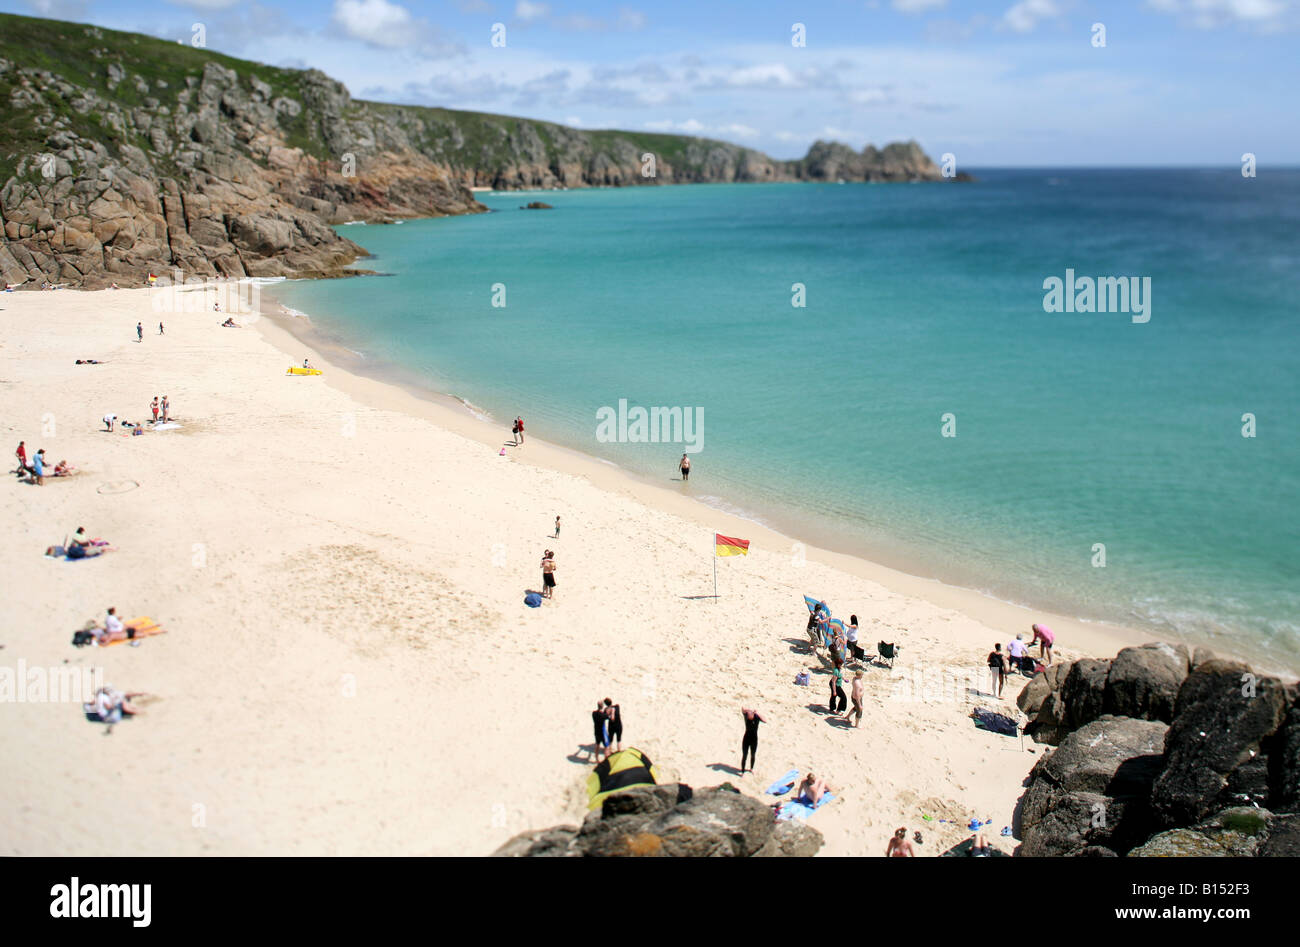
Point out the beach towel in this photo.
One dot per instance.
(784, 784)
(812, 604)
(533, 600)
(799, 809)
(997, 723)
(142, 627)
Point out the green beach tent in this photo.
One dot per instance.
(622, 770)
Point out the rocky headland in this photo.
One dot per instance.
(125, 154)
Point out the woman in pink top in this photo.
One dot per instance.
(1044, 637)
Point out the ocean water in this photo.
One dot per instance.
(1072, 429)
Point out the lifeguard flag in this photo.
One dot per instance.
(726, 546)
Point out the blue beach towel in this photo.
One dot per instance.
(784, 784)
(533, 600)
(798, 809)
(812, 604)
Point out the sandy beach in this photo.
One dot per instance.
(349, 667)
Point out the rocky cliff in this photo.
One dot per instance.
(672, 821)
(124, 154)
(1162, 751)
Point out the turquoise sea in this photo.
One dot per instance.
(1072, 428)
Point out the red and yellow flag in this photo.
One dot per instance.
(726, 546)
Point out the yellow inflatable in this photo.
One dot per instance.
(297, 370)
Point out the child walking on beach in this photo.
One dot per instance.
(557, 527)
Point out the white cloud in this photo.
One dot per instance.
(376, 22)
(628, 20)
(204, 4)
(1025, 16)
(573, 121)
(1214, 14)
(695, 127)
(919, 6)
(876, 96)
(527, 10)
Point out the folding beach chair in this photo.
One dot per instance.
(886, 651)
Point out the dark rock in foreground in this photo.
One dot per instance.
(1162, 752)
(672, 821)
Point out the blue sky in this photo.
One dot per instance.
(1012, 82)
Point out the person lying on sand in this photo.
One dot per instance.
(89, 361)
(110, 704)
(77, 552)
(229, 324)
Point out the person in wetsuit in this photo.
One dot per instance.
(749, 745)
(600, 727)
(615, 724)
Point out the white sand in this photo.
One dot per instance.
(349, 667)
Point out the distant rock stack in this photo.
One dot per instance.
(672, 821)
(1162, 751)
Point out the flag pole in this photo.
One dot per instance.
(715, 574)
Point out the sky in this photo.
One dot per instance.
(995, 83)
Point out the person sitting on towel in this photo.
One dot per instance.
(811, 790)
(110, 704)
(113, 629)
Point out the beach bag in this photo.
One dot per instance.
(802, 679)
(533, 600)
(81, 639)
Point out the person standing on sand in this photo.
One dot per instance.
(139, 332)
(685, 467)
(600, 729)
(557, 527)
(38, 467)
(109, 421)
(858, 654)
(749, 743)
(21, 454)
(839, 702)
(160, 329)
(166, 407)
(899, 846)
(997, 662)
(856, 694)
(615, 725)
(548, 574)
(1045, 638)
(519, 432)
(153, 406)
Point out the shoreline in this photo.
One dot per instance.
(1095, 635)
